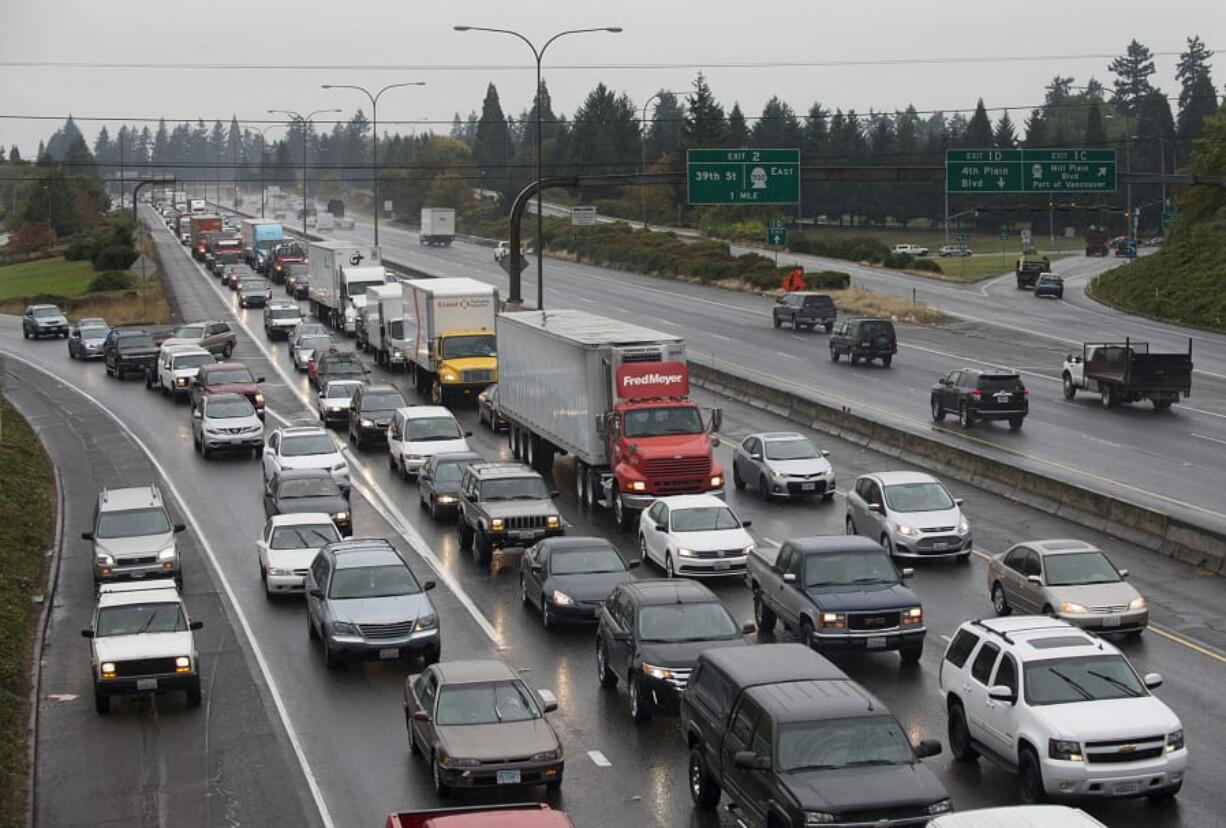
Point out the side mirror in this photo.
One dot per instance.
(874, 507)
(1153, 680)
(621, 635)
(825, 453)
(537, 566)
(748, 629)
(928, 747)
(958, 501)
(87, 633)
(748, 760)
(548, 700)
(345, 493)
(317, 593)
(197, 414)
(906, 572)
(661, 527)
(259, 379)
(1123, 573)
(756, 455)
(554, 493)
(1001, 693)
(745, 524)
(87, 536)
(195, 625)
(180, 527)
(635, 564)
(427, 586)
(789, 577)
(468, 434)
(1035, 579)
(715, 441)
(421, 716)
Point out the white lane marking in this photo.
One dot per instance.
(945, 638)
(771, 541)
(1206, 437)
(387, 507)
(599, 759)
(721, 336)
(325, 815)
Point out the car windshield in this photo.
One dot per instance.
(286, 313)
(451, 472)
(346, 367)
(485, 703)
(656, 422)
(340, 390)
(229, 409)
(130, 342)
(193, 361)
(307, 444)
(133, 619)
(311, 536)
(230, 375)
(704, 519)
(385, 581)
(514, 488)
(790, 450)
(1080, 568)
(1049, 280)
(93, 331)
(355, 289)
(39, 313)
(131, 523)
(477, 345)
(585, 561)
(382, 401)
(828, 569)
(686, 622)
(316, 343)
(253, 284)
(918, 497)
(432, 428)
(308, 487)
(189, 332)
(840, 743)
(1088, 678)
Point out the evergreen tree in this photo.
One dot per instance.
(1005, 136)
(704, 118)
(160, 154)
(604, 133)
(1095, 133)
(738, 131)
(778, 126)
(548, 119)
(1197, 95)
(14, 154)
(664, 126)
(104, 151)
(492, 147)
(979, 128)
(457, 128)
(1036, 129)
(1132, 71)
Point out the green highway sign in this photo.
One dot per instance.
(1005, 235)
(1168, 217)
(777, 237)
(962, 237)
(1030, 170)
(742, 176)
(775, 224)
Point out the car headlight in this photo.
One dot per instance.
(278, 571)
(104, 560)
(553, 522)
(340, 517)
(716, 481)
(963, 527)
(344, 628)
(453, 762)
(445, 500)
(1138, 603)
(636, 486)
(259, 399)
(779, 475)
(183, 664)
(942, 807)
(655, 672)
(912, 615)
(832, 620)
(168, 554)
(496, 524)
(748, 550)
(426, 622)
(547, 756)
(1069, 606)
(107, 668)
(818, 818)
(905, 530)
(562, 599)
(181, 382)
(686, 553)
(1174, 741)
(1066, 750)
(365, 423)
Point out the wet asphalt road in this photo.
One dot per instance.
(349, 724)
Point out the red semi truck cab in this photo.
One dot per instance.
(530, 815)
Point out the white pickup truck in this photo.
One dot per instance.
(910, 249)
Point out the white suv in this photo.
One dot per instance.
(304, 447)
(1062, 707)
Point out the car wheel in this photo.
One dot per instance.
(1106, 396)
(547, 619)
(227, 350)
(1070, 390)
(834, 355)
(194, 696)
(1000, 602)
(829, 327)
(762, 614)
(205, 451)
(853, 359)
(764, 490)
(849, 526)
(805, 635)
(778, 322)
(643, 556)
(102, 702)
(620, 513)
(408, 727)
(887, 360)
(331, 661)
(938, 413)
(912, 653)
(523, 592)
(604, 675)
(966, 417)
(795, 325)
(669, 572)
(704, 790)
(264, 583)
(483, 550)
(1031, 777)
(640, 705)
(435, 512)
(1048, 610)
(465, 534)
(441, 788)
(1015, 423)
(1166, 796)
(887, 545)
(960, 746)
(737, 480)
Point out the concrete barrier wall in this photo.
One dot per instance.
(1157, 531)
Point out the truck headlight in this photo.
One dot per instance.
(562, 599)
(397, 354)
(913, 615)
(183, 664)
(341, 517)
(278, 571)
(905, 530)
(107, 668)
(426, 622)
(717, 481)
(168, 554)
(553, 522)
(832, 620)
(944, 806)
(445, 500)
(181, 382)
(635, 486)
(1138, 603)
(818, 818)
(343, 628)
(496, 524)
(748, 550)
(1070, 607)
(448, 375)
(365, 423)
(104, 560)
(1174, 741)
(259, 399)
(655, 672)
(1066, 750)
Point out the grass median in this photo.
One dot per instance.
(26, 532)
(56, 281)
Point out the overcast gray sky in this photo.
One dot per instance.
(352, 33)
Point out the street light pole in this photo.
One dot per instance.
(643, 147)
(305, 120)
(538, 54)
(374, 136)
(263, 171)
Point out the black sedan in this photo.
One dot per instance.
(488, 412)
(294, 491)
(438, 482)
(569, 578)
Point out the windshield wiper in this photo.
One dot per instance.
(867, 762)
(528, 497)
(796, 768)
(872, 581)
(1130, 691)
(1084, 692)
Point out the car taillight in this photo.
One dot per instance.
(1025, 392)
(976, 393)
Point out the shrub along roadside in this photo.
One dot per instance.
(26, 532)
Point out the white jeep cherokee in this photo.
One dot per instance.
(1062, 708)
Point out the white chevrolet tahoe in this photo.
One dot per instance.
(1062, 708)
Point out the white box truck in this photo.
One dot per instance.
(616, 397)
(325, 262)
(437, 226)
(449, 336)
(384, 324)
(354, 282)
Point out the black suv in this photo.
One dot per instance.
(504, 505)
(371, 409)
(864, 339)
(130, 351)
(805, 310)
(794, 741)
(976, 395)
(650, 633)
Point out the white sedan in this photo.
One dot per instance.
(695, 535)
(288, 545)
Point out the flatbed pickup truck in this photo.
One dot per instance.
(525, 815)
(1122, 372)
(1028, 270)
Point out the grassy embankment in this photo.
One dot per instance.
(64, 283)
(26, 532)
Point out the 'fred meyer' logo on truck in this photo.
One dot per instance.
(640, 380)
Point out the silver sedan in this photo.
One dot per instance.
(783, 464)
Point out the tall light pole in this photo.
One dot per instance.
(305, 120)
(643, 147)
(374, 135)
(539, 54)
(263, 171)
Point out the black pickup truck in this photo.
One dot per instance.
(793, 741)
(838, 592)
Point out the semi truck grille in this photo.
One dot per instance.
(398, 629)
(872, 620)
(678, 467)
(145, 666)
(478, 375)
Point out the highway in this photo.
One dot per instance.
(1170, 460)
(337, 739)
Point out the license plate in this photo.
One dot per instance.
(522, 535)
(1126, 788)
(808, 487)
(1111, 621)
(721, 566)
(389, 654)
(940, 546)
(877, 642)
(508, 777)
(1003, 396)
(146, 684)
(138, 574)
